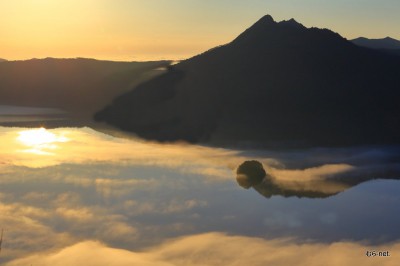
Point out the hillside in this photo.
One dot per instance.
(387, 45)
(384, 43)
(275, 84)
(79, 86)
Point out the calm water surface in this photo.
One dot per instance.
(75, 196)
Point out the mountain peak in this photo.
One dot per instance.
(292, 23)
(266, 31)
(265, 21)
(257, 30)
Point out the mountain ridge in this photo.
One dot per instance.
(79, 86)
(382, 43)
(274, 83)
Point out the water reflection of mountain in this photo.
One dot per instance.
(252, 174)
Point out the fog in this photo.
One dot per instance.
(75, 193)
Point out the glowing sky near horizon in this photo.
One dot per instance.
(173, 29)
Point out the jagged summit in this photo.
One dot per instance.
(268, 21)
(292, 22)
(267, 33)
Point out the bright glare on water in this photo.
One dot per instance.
(73, 195)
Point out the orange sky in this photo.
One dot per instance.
(169, 29)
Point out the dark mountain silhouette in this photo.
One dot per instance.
(79, 86)
(2, 60)
(276, 83)
(388, 45)
(384, 43)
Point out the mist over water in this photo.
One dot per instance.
(77, 193)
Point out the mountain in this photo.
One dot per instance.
(384, 43)
(277, 83)
(387, 45)
(2, 60)
(79, 86)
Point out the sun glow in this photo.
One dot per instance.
(40, 140)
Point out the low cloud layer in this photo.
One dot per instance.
(89, 191)
(85, 145)
(218, 249)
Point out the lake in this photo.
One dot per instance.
(77, 196)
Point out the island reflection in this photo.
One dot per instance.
(252, 174)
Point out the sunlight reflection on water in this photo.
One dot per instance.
(40, 141)
(71, 145)
(79, 191)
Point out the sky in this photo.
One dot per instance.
(136, 30)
